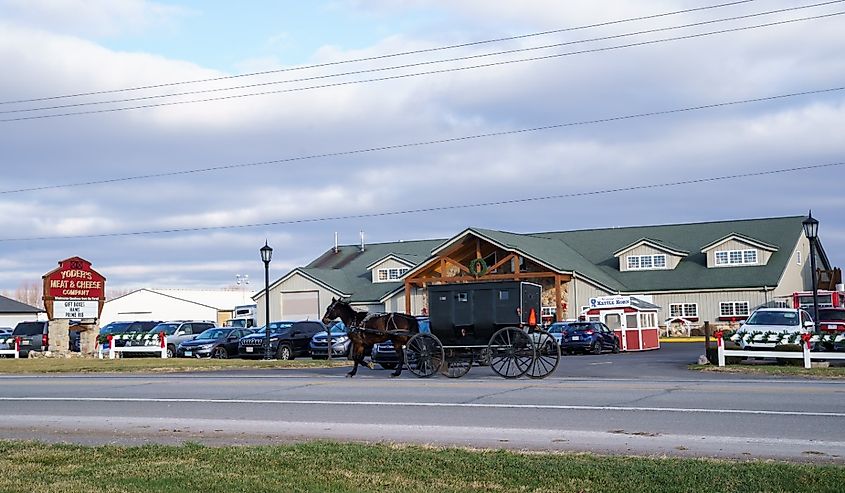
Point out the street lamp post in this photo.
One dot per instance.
(266, 256)
(811, 231)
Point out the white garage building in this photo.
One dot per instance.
(12, 312)
(215, 305)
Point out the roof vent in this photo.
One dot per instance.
(336, 249)
(362, 240)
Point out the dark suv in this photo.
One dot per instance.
(122, 331)
(287, 340)
(33, 337)
(177, 332)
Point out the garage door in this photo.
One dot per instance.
(301, 305)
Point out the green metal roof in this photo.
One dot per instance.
(597, 245)
(346, 271)
(587, 253)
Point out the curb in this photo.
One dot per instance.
(682, 339)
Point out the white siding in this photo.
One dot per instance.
(12, 319)
(763, 256)
(671, 260)
(397, 302)
(387, 264)
(296, 283)
(797, 277)
(580, 293)
(149, 305)
(708, 302)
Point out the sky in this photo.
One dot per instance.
(307, 121)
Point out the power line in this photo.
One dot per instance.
(430, 72)
(381, 57)
(438, 208)
(418, 64)
(426, 142)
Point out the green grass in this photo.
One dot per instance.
(836, 372)
(85, 365)
(331, 467)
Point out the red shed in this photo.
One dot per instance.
(633, 320)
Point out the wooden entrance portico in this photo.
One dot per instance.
(451, 265)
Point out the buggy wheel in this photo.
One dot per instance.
(424, 355)
(457, 364)
(511, 352)
(547, 355)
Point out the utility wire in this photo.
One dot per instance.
(423, 143)
(417, 74)
(418, 64)
(438, 208)
(381, 57)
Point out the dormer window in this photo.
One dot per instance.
(646, 262)
(385, 275)
(736, 257)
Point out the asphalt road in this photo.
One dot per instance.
(644, 403)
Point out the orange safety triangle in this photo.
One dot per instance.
(532, 317)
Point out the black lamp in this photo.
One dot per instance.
(811, 231)
(266, 256)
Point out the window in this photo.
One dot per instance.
(391, 274)
(645, 262)
(736, 257)
(463, 297)
(733, 309)
(686, 310)
(631, 321)
(504, 295)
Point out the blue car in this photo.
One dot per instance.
(385, 356)
(340, 342)
(592, 337)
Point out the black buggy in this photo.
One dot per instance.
(489, 323)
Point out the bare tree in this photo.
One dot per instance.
(29, 292)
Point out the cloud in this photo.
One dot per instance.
(719, 141)
(90, 18)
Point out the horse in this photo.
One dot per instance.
(366, 330)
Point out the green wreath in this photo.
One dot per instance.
(478, 267)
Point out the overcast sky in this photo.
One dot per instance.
(59, 47)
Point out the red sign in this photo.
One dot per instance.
(74, 279)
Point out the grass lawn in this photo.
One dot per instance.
(836, 372)
(321, 466)
(83, 365)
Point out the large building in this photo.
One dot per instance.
(12, 312)
(713, 271)
(215, 305)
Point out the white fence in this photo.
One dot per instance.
(16, 343)
(155, 344)
(805, 353)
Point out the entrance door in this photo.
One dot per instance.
(615, 320)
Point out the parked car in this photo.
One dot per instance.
(217, 342)
(832, 322)
(126, 328)
(774, 321)
(383, 353)
(33, 337)
(340, 342)
(593, 337)
(177, 332)
(287, 340)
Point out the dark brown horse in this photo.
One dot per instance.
(366, 330)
